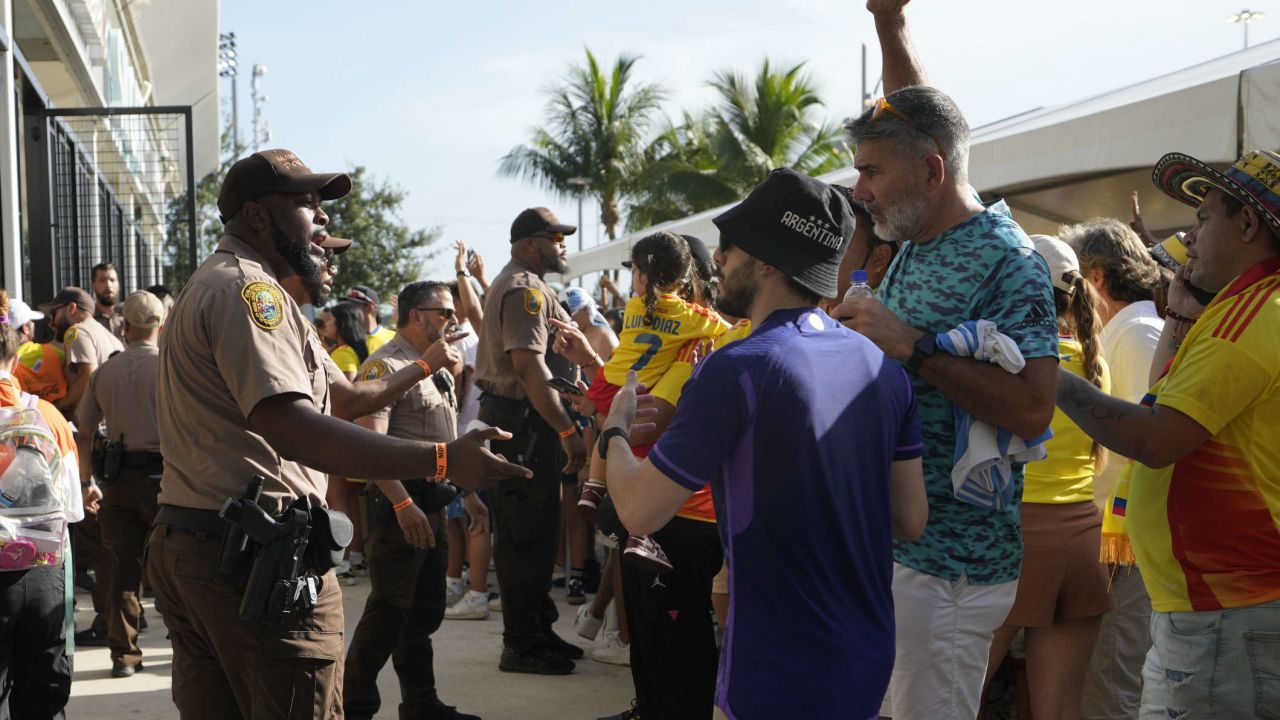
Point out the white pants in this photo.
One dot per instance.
(944, 631)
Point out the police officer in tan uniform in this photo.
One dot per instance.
(123, 393)
(87, 345)
(406, 547)
(512, 370)
(246, 388)
(105, 283)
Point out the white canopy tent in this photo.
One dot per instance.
(1082, 160)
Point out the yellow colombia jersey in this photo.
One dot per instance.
(672, 383)
(1066, 475)
(378, 338)
(651, 349)
(1206, 529)
(345, 357)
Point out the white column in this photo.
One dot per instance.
(10, 225)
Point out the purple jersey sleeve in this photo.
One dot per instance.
(709, 421)
(910, 443)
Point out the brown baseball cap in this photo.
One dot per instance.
(143, 310)
(538, 220)
(270, 171)
(69, 295)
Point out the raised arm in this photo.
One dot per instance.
(899, 65)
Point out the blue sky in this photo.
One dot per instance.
(429, 95)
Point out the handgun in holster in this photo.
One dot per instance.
(112, 460)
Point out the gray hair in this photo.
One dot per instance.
(1130, 273)
(934, 114)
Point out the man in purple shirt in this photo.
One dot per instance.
(810, 440)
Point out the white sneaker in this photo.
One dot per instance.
(615, 652)
(452, 598)
(495, 603)
(472, 606)
(587, 625)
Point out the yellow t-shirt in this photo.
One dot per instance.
(1206, 529)
(344, 356)
(377, 339)
(1066, 475)
(672, 383)
(651, 349)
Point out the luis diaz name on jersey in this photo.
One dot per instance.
(670, 326)
(266, 304)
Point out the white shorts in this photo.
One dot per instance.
(944, 634)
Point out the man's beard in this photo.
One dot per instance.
(106, 300)
(738, 292)
(299, 258)
(900, 218)
(553, 263)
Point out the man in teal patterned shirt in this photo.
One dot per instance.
(954, 586)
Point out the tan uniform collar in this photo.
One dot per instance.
(517, 265)
(402, 343)
(241, 249)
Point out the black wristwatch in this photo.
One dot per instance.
(608, 435)
(924, 347)
(463, 273)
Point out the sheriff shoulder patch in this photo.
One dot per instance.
(266, 304)
(533, 301)
(374, 370)
(70, 335)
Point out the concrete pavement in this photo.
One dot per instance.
(466, 669)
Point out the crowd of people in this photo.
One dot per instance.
(769, 491)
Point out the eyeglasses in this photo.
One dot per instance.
(882, 106)
(557, 238)
(446, 312)
(724, 244)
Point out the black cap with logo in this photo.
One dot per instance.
(538, 220)
(272, 171)
(795, 223)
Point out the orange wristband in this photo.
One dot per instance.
(402, 504)
(442, 461)
(426, 369)
(568, 432)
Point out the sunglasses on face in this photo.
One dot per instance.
(557, 238)
(446, 312)
(724, 245)
(882, 106)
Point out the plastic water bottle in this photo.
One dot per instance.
(24, 487)
(859, 287)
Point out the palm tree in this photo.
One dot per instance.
(716, 157)
(596, 128)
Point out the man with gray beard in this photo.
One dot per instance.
(960, 261)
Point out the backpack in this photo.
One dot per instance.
(39, 492)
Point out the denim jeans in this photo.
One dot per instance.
(1214, 664)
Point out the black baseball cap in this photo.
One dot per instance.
(795, 223)
(697, 249)
(538, 220)
(271, 171)
(364, 295)
(69, 295)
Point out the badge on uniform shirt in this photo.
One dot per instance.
(374, 370)
(70, 336)
(266, 304)
(533, 301)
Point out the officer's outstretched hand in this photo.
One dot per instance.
(576, 450)
(416, 528)
(473, 467)
(442, 353)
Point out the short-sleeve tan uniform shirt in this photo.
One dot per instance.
(123, 391)
(113, 322)
(88, 342)
(422, 413)
(234, 339)
(517, 313)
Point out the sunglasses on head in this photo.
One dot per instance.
(447, 312)
(882, 106)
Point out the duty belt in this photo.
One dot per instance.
(142, 459)
(199, 522)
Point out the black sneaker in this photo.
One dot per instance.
(440, 711)
(142, 621)
(576, 595)
(541, 661)
(84, 580)
(91, 638)
(563, 648)
(120, 670)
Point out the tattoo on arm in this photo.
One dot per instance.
(1078, 397)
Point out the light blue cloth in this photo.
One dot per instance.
(986, 455)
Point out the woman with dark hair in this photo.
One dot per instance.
(1063, 591)
(349, 322)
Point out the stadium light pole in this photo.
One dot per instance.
(227, 69)
(1244, 18)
